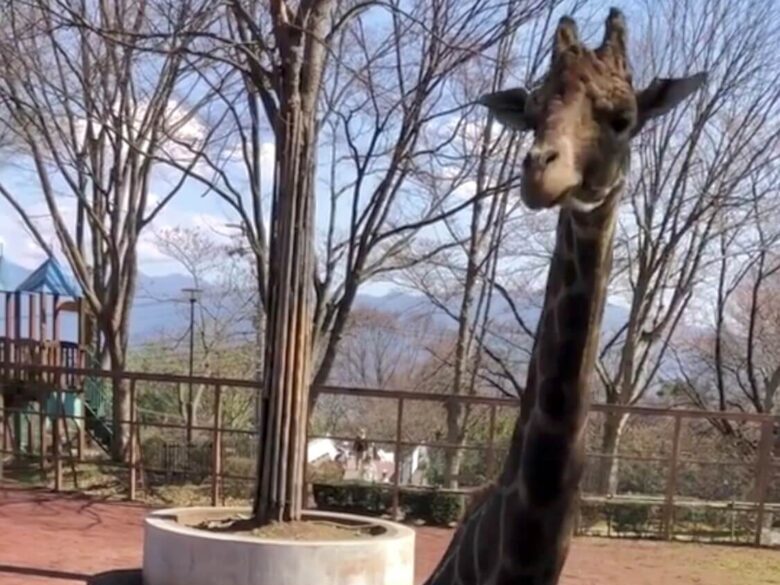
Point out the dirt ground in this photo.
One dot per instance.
(56, 539)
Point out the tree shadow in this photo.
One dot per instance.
(46, 573)
(118, 577)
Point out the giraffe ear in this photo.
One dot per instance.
(663, 95)
(508, 106)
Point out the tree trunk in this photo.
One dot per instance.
(326, 343)
(453, 458)
(284, 413)
(120, 399)
(609, 465)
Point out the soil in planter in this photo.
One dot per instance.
(302, 531)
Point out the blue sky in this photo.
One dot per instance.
(188, 209)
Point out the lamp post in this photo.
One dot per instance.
(193, 294)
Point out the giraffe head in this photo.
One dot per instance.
(583, 116)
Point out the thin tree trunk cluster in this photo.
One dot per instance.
(284, 408)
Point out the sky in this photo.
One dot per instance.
(190, 208)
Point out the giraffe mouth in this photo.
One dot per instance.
(561, 200)
(577, 204)
(586, 198)
(565, 197)
(543, 191)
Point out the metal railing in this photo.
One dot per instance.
(760, 464)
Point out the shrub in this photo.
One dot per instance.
(330, 497)
(366, 499)
(590, 516)
(354, 498)
(239, 467)
(416, 504)
(630, 517)
(432, 507)
(446, 508)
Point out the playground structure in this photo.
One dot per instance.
(46, 325)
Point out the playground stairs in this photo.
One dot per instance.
(97, 413)
(93, 407)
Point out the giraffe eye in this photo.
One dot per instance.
(620, 123)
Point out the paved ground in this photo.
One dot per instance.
(62, 540)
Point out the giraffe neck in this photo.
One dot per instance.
(557, 393)
(521, 531)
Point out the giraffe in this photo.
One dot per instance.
(583, 116)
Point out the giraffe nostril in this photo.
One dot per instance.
(549, 157)
(540, 159)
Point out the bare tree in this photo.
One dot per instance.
(386, 350)
(460, 279)
(379, 350)
(367, 84)
(85, 115)
(395, 104)
(730, 362)
(224, 324)
(386, 117)
(694, 167)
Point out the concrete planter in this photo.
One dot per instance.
(175, 554)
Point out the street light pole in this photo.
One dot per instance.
(193, 294)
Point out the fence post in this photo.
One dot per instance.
(81, 437)
(671, 479)
(491, 454)
(216, 446)
(78, 382)
(133, 439)
(42, 434)
(399, 421)
(56, 442)
(763, 473)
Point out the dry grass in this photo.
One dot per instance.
(748, 566)
(111, 483)
(665, 562)
(307, 531)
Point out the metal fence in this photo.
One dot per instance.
(672, 462)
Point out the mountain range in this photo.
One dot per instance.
(160, 305)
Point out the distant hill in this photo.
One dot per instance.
(160, 306)
(161, 310)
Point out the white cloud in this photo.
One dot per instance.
(468, 131)
(466, 190)
(235, 156)
(152, 200)
(208, 221)
(18, 244)
(147, 250)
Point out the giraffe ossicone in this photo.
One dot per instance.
(583, 116)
